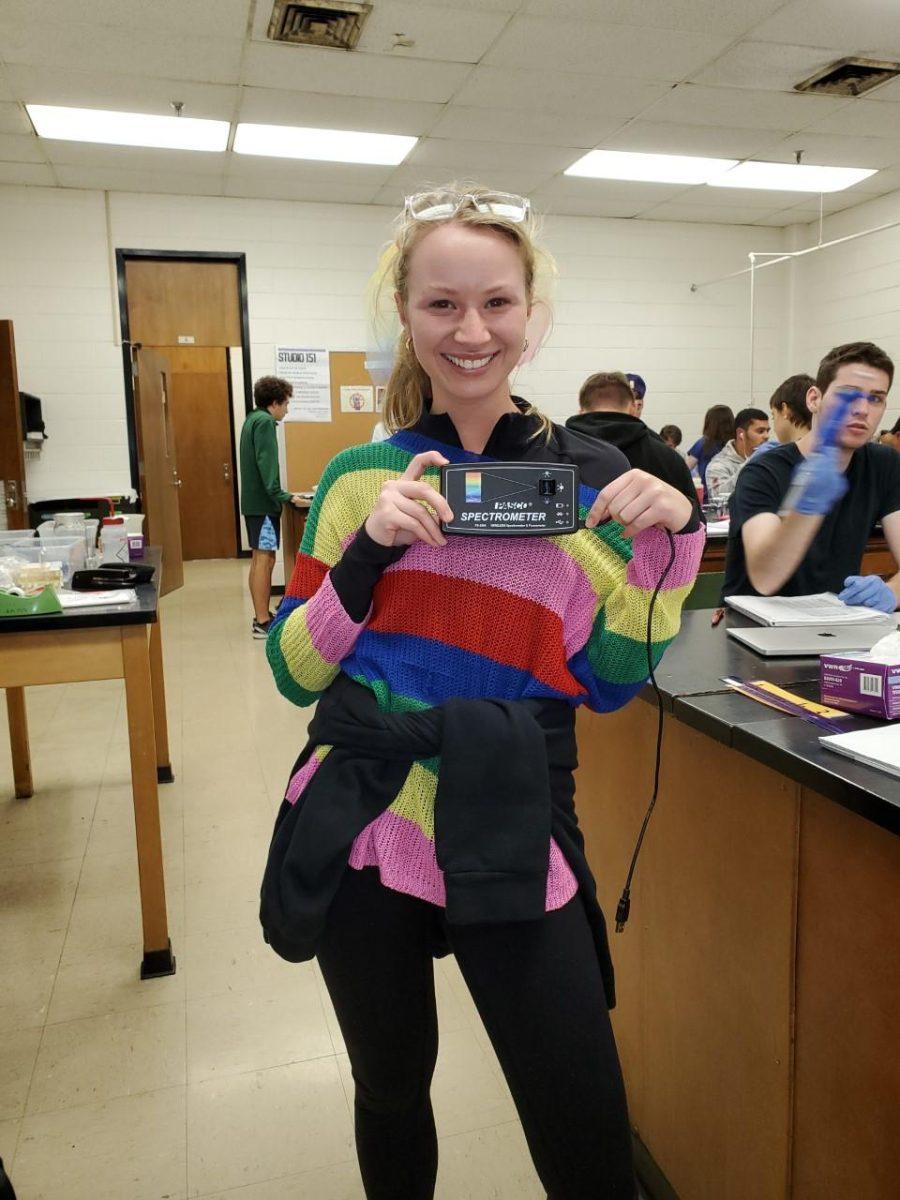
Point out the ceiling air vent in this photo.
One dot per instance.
(849, 77)
(333, 23)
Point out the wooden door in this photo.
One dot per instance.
(13, 500)
(159, 479)
(200, 412)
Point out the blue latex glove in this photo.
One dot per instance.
(870, 591)
(816, 484)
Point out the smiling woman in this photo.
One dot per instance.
(447, 670)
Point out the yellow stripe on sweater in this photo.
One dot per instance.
(307, 667)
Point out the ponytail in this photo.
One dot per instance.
(407, 389)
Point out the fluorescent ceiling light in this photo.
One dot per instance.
(324, 145)
(126, 128)
(791, 177)
(651, 168)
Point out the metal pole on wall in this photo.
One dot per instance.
(752, 257)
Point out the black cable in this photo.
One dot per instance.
(623, 908)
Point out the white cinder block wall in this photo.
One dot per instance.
(623, 302)
(850, 292)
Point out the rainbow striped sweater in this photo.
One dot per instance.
(508, 618)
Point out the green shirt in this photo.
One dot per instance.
(261, 490)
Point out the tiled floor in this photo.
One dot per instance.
(229, 1079)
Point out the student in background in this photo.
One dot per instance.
(639, 388)
(751, 428)
(892, 437)
(817, 542)
(718, 428)
(791, 418)
(262, 495)
(607, 404)
(671, 435)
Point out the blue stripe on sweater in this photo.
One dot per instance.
(432, 672)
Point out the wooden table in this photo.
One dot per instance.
(877, 559)
(293, 523)
(105, 643)
(758, 975)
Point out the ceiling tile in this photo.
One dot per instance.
(886, 92)
(264, 11)
(16, 147)
(27, 173)
(407, 180)
(533, 128)
(134, 158)
(861, 117)
(691, 104)
(716, 214)
(602, 197)
(765, 199)
(712, 141)
(857, 26)
(14, 120)
(293, 172)
(94, 47)
(480, 157)
(700, 16)
(111, 179)
(835, 150)
(579, 46)
(100, 89)
(269, 188)
(308, 69)
(764, 66)
(437, 32)
(558, 92)
(184, 16)
(270, 106)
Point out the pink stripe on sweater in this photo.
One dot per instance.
(651, 554)
(406, 862)
(332, 632)
(532, 568)
(299, 781)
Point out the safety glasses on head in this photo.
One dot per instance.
(442, 205)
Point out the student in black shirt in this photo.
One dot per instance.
(818, 545)
(608, 411)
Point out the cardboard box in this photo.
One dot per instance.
(856, 683)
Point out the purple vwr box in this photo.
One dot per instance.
(853, 682)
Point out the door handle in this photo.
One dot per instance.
(12, 494)
(176, 483)
(226, 471)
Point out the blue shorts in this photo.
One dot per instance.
(254, 529)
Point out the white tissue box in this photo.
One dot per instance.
(858, 683)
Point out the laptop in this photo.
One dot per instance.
(788, 641)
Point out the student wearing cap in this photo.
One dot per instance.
(607, 403)
(639, 388)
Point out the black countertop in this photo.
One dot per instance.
(141, 613)
(690, 680)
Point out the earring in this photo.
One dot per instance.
(408, 344)
(525, 347)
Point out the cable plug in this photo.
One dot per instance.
(623, 908)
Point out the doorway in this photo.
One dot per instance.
(192, 309)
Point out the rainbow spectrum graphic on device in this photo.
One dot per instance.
(511, 499)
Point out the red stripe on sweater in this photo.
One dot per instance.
(307, 577)
(477, 618)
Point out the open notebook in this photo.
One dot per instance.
(879, 748)
(821, 609)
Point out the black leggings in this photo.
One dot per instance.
(537, 987)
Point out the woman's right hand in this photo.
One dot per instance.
(400, 516)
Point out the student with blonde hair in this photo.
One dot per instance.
(432, 808)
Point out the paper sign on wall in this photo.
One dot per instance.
(309, 373)
(357, 399)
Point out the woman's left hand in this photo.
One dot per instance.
(639, 501)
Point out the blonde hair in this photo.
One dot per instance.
(409, 385)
